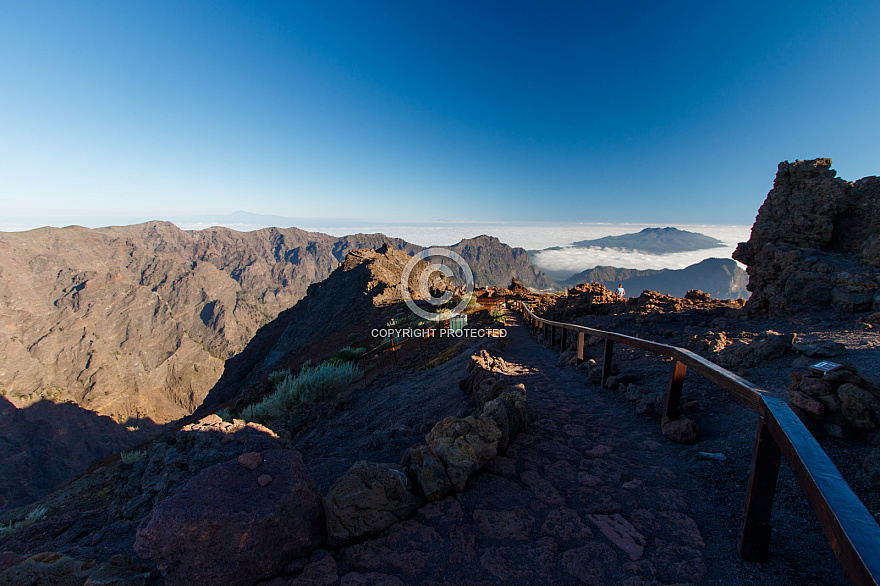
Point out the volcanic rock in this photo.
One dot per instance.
(815, 242)
(426, 472)
(366, 500)
(224, 528)
(464, 446)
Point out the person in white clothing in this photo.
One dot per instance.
(620, 290)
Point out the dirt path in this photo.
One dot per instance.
(593, 494)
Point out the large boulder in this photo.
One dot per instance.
(366, 500)
(464, 446)
(815, 241)
(225, 527)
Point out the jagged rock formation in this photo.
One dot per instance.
(494, 263)
(815, 242)
(721, 278)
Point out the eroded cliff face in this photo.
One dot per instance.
(815, 242)
(136, 321)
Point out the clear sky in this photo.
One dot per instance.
(666, 112)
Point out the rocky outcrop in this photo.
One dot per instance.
(840, 402)
(367, 500)
(494, 263)
(227, 527)
(748, 353)
(464, 445)
(815, 242)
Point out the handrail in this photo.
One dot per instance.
(850, 528)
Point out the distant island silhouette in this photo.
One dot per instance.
(655, 241)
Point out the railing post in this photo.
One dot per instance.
(580, 351)
(754, 536)
(606, 360)
(673, 390)
(562, 337)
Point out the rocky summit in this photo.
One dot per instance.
(815, 242)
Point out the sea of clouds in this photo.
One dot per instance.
(569, 259)
(561, 263)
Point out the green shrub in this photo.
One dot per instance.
(498, 316)
(347, 354)
(225, 415)
(318, 383)
(35, 515)
(130, 457)
(276, 377)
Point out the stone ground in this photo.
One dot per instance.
(592, 494)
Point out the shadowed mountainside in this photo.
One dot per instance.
(719, 277)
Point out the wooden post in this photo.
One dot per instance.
(580, 352)
(673, 390)
(562, 336)
(754, 536)
(606, 360)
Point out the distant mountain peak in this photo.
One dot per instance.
(656, 241)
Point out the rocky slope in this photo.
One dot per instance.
(494, 263)
(815, 242)
(721, 278)
(137, 322)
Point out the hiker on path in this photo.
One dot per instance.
(620, 290)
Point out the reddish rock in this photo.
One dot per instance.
(515, 525)
(810, 406)
(565, 525)
(619, 531)
(542, 488)
(407, 547)
(322, 572)
(678, 563)
(681, 430)
(860, 406)
(370, 579)
(501, 466)
(532, 562)
(251, 460)
(48, 568)
(366, 500)
(591, 564)
(223, 527)
(119, 571)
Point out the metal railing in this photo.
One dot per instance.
(849, 526)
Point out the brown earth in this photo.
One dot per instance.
(593, 493)
(137, 323)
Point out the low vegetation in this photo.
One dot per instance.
(35, 515)
(134, 456)
(313, 383)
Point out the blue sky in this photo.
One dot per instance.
(664, 112)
